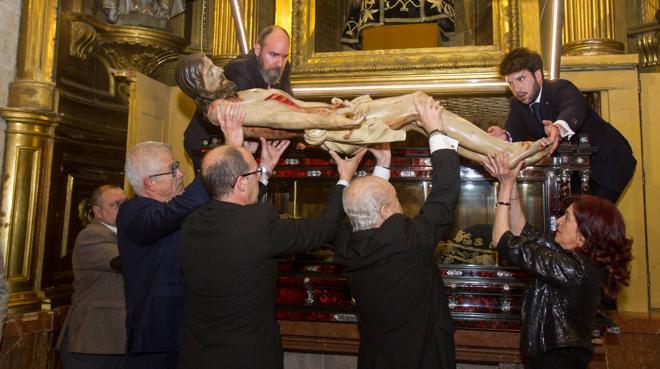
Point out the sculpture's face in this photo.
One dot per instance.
(213, 77)
(272, 56)
(525, 85)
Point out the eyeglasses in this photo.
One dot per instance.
(173, 169)
(260, 170)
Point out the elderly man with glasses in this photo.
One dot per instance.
(149, 246)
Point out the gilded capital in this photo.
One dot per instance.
(34, 87)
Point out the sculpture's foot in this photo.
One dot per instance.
(531, 152)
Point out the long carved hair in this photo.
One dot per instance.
(604, 231)
(188, 76)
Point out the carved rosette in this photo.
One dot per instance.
(123, 49)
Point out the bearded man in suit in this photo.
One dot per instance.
(94, 333)
(558, 110)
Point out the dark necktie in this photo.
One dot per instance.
(536, 108)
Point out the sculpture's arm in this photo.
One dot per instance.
(279, 114)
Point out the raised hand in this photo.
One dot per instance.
(230, 118)
(271, 151)
(497, 131)
(552, 132)
(497, 164)
(347, 167)
(382, 153)
(430, 115)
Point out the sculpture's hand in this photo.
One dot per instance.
(497, 164)
(271, 151)
(552, 132)
(497, 131)
(430, 115)
(230, 118)
(382, 153)
(347, 167)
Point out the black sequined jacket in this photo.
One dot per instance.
(561, 302)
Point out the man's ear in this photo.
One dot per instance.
(538, 76)
(96, 211)
(147, 184)
(385, 211)
(241, 184)
(257, 49)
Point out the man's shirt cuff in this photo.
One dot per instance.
(564, 129)
(438, 141)
(381, 172)
(343, 182)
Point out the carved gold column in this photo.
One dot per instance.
(589, 28)
(31, 121)
(222, 38)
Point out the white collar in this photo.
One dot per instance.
(112, 228)
(538, 98)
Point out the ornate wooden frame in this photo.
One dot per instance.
(401, 65)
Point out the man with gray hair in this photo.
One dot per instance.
(149, 245)
(404, 319)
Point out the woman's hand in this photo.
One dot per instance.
(497, 164)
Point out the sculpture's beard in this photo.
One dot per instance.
(273, 75)
(229, 91)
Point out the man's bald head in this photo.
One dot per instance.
(369, 201)
(221, 167)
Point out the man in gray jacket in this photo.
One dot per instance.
(94, 334)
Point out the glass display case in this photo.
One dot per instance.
(483, 292)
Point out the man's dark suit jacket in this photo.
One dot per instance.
(149, 246)
(404, 319)
(229, 266)
(612, 166)
(244, 72)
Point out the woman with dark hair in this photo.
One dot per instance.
(587, 258)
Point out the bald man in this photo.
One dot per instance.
(266, 65)
(403, 316)
(229, 251)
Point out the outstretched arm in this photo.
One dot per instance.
(508, 212)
